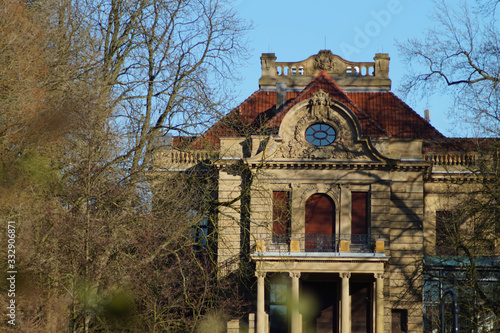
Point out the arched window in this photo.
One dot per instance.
(320, 223)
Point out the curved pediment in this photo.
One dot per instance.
(297, 133)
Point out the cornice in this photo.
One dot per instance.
(373, 258)
(339, 165)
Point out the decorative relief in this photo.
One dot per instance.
(265, 64)
(324, 60)
(321, 109)
(304, 191)
(320, 105)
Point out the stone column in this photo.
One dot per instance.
(346, 303)
(261, 311)
(296, 321)
(379, 328)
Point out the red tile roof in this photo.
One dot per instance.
(324, 82)
(397, 118)
(381, 114)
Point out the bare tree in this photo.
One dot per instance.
(116, 75)
(460, 56)
(165, 64)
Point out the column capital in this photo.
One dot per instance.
(379, 275)
(294, 274)
(260, 274)
(345, 275)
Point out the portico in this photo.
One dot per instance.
(321, 292)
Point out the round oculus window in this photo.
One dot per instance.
(320, 134)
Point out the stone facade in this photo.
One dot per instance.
(327, 146)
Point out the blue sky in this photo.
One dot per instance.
(355, 30)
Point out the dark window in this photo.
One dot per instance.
(360, 226)
(281, 217)
(201, 234)
(399, 321)
(445, 233)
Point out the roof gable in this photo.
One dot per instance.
(380, 114)
(324, 82)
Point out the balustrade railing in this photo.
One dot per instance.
(451, 159)
(185, 157)
(351, 69)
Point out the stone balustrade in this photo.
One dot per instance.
(171, 158)
(300, 69)
(346, 73)
(451, 159)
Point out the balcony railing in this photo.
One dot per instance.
(319, 243)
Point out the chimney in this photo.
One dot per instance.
(280, 94)
(427, 115)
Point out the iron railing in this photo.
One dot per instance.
(321, 243)
(309, 242)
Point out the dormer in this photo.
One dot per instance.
(350, 76)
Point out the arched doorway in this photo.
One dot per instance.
(320, 223)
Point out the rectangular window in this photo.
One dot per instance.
(399, 321)
(360, 225)
(445, 230)
(281, 217)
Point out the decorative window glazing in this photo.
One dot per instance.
(320, 134)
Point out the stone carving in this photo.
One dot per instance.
(265, 65)
(320, 105)
(304, 191)
(324, 60)
(321, 109)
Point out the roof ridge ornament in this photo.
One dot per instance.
(324, 60)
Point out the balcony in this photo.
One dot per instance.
(319, 244)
